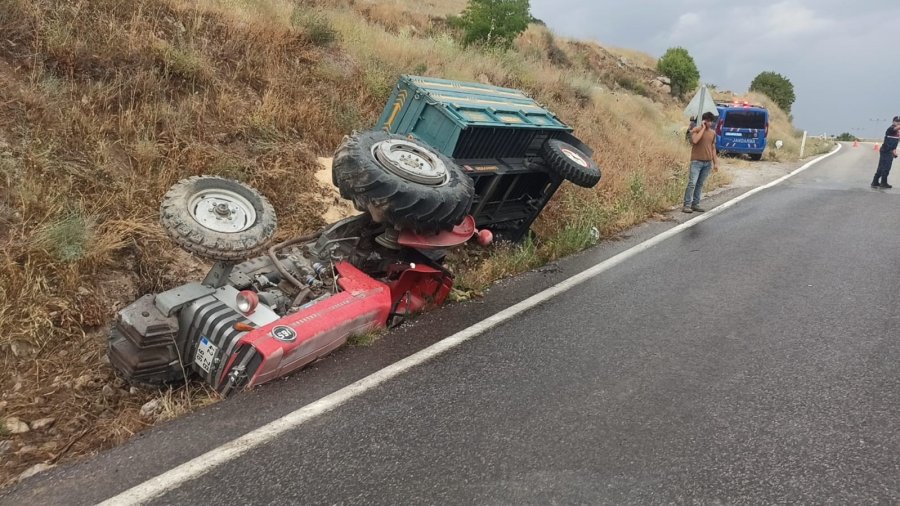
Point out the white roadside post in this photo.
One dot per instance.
(803, 144)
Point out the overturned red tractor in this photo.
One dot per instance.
(451, 158)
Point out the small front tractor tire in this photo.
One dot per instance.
(216, 218)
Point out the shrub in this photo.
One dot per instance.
(317, 29)
(678, 65)
(777, 87)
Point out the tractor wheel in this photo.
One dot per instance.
(216, 218)
(402, 182)
(570, 163)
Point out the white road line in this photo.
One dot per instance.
(196, 467)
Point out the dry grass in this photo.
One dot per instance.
(107, 103)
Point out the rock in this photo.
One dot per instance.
(664, 80)
(42, 423)
(83, 291)
(5, 447)
(3, 405)
(667, 89)
(49, 446)
(133, 390)
(26, 449)
(150, 408)
(107, 391)
(35, 469)
(16, 426)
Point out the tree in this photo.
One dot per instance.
(678, 65)
(846, 136)
(777, 87)
(494, 22)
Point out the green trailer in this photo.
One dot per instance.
(516, 152)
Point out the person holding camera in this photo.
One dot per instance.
(887, 154)
(703, 160)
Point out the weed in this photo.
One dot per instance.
(316, 28)
(67, 237)
(366, 338)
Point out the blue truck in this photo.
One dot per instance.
(742, 129)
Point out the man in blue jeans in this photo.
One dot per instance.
(703, 160)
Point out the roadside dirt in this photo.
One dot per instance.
(337, 208)
(745, 173)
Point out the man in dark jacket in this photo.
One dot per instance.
(887, 155)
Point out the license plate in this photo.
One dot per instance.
(206, 352)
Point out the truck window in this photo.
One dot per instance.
(745, 119)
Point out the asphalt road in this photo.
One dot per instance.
(751, 359)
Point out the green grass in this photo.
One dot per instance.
(367, 338)
(67, 238)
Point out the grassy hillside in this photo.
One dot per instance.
(105, 103)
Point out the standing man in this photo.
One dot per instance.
(703, 160)
(887, 155)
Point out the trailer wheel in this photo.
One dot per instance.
(570, 163)
(402, 181)
(217, 218)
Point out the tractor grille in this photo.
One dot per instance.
(211, 318)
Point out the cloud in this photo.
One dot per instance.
(687, 26)
(790, 19)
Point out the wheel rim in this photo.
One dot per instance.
(575, 157)
(410, 161)
(222, 211)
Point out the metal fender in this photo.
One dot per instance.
(417, 288)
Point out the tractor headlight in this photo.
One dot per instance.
(247, 300)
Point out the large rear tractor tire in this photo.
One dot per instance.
(570, 163)
(402, 182)
(216, 218)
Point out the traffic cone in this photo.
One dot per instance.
(855, 144)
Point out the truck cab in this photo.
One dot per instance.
(742, 129)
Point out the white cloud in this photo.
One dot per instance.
(688, 26)
(788, 19)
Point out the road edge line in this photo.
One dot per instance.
(196, 467)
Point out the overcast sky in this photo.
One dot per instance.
(843, 57)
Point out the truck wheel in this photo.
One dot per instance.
(402, 181)
(570, 163)
(217, 218)
(756, 157)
